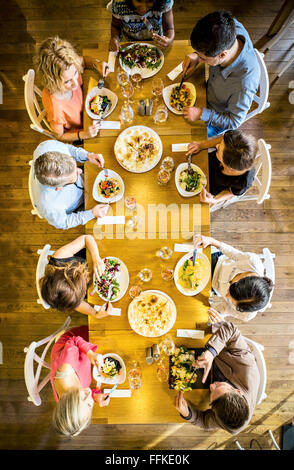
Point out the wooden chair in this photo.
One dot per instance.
(42, 263)
(109, 6)
(269, 271)
(32, 378)
(262, 98)
(37, 116)
(257, 350)
(33, 190)
(261, 182)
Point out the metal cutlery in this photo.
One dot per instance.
(95, 284)
(194, 256)
(101, 80)
(113, 388)
(190, 170)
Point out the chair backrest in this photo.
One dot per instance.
(32, 376)
(262, 98)
(42, 263)
(33, 190)
(257, 350)
(269, 271)
(37, 116)
(263, 162)
(109, 6)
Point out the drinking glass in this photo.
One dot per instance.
(135, 291)
(131, 203)
(167, 274)
(135, 376)
(127, 113)
(161, 114)
(167, 345)
(122, 77)
(157, 87)
(127, 90)
(145, 275)
(165, 252)
(168, 164)
(162, 371)
(134, 223)
(163, 177)
(136, 78)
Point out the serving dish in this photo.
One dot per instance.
(116, 275)
(142, 58)
(186, 276)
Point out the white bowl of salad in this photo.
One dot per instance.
(189, 185)
(100, 102)
(108, 187)
(113, 370)
(142, 58)
(116, 277)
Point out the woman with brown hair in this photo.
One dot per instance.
(60, 69)
(65, 281)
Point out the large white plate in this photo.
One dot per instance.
(145, 72)
(119, 378)
(173, 319)
(183, 192)
(167, 91)
(103, 92)
(123, 135)
(101, 176)
(122, 278)
(204, 280)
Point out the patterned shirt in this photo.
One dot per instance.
(133, 26)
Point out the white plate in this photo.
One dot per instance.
(145, 72)
(103, 92)
(122, 278)
(204, 280)
(123, 135)
(119, 378)
(174, 314)
(101, 176)
(167, 91)
(183, 192)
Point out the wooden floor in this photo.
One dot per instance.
(24, 24)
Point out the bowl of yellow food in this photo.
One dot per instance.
(176, 100)
(189, 279)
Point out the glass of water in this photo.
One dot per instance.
(162, 371)
(165, 252)
(127, 113)
(167, 345)
(161, 114)
(145, 275)
(135, 376)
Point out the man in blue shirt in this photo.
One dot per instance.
(58, 185)
(223, 43)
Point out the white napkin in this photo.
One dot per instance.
(115, 311)
(195, 334)
(108, 124)
(185, 248)
(119, 393)
(111, 219)
(111, 60)
(175, 72)
(179, 147)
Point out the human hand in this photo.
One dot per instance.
(214, 315)
(161, 41)
(207, 197)
(103, 399)
(193, 113)
(105, 310)
(92, 130)
(102, 68)
(98, 267)
(100, 210)
(114, 44)
(181, 405)
(95, 359)
(190, 62)
(204, 362)
(96, 158)
(193, 147)
(201, 241)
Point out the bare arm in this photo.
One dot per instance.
(70, 249)
(114, 42)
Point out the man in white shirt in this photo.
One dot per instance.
(58, 185)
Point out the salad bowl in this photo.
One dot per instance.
(116, 275)
(110, 376)
(99, 194)
(182, 187)
(108, 109)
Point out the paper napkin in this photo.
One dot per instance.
(119, 393)
(115, 311)
(108, 124)
(111, 60)
(179, 147)
(195, 334)
(111, 219)
(175, 72)
(185, 248)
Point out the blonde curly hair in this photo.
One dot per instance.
(54, 56)
(67, 419)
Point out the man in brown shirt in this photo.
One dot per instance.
(233, 394)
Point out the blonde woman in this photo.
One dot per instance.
(60, 69)
(65, 281)
(71, 359)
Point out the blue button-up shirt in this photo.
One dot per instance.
(230, 90)
(57, 206)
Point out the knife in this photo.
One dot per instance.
(194, 256)
(113, 388)
(101, 80)
(96, 286)
(181, 83)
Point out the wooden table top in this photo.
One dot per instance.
(173, 222)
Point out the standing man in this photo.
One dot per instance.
(219, 40)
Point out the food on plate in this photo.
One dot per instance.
(190, 182)
(108, 187)
(98, 104)
(138, 149)
(108, 279)
(151, 314)
(110, 368)
(189, 276)
(142, 56)
(181, 370)
(179, 100)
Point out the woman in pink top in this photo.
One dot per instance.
(60, 70)
(71, 360)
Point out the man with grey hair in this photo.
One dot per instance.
(58, 185)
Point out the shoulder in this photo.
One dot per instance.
(166, 5)
(51, 146)
(121, 8)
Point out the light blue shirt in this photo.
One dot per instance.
(230, 90)
(57, 206)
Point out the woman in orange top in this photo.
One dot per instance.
(60, 70)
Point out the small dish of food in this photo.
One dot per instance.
(108, 187)
(176, 100)
(189, 279)
(115, 277)
(189, 184)
(112, 371)
(100, 103)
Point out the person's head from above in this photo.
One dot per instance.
(56, 169)
(228, 404)
(64, 287)
(249, 293)
(236, 152)
(73, 412)
(59, 65)
(213, 36)
(143, 6)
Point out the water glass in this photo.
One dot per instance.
(131, 203)
(165, 252)
(127, 113)
(122, 77)
(134, 223)
(168, 164)
(161, 114)
(167, 345)
(145, 275)
(135, 376)
(127, 90)
(163, 177)
(135, 291)
(157, 87)
(136, 78)
(167, 274)
(162, 371)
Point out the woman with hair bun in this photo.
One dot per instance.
(65, 281)
(239, 286)
(60, 69)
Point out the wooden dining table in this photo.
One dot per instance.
(167, 218)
